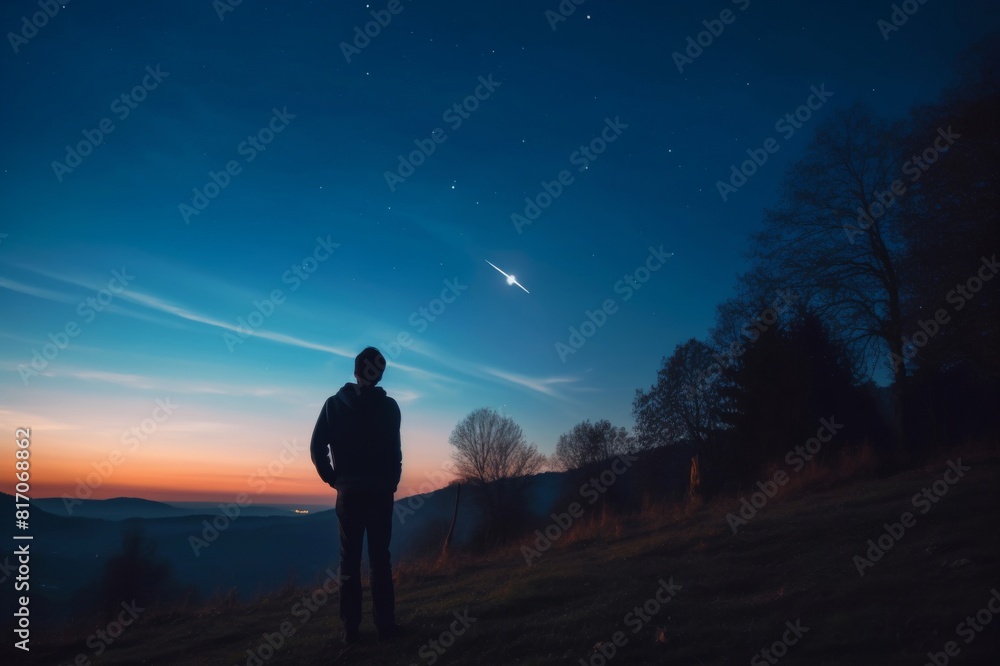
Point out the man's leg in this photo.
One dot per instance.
(379, 535)
(350, 517)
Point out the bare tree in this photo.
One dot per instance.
(491, 455)
(490, 447)
(835, 236)
(590, 443)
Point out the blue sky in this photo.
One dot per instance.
(322, 176)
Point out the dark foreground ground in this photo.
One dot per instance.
(730, 596)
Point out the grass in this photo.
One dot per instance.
(793, 561)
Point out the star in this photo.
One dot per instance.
(511, 280)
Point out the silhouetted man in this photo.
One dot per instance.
(360, 427)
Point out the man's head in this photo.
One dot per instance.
(369, 366)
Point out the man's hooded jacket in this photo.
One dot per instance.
(359, 426)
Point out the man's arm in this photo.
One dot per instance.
(398, 448)
(319, 448)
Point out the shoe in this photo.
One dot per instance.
(390, 632)
(351, 636)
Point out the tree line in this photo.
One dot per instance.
(869, 303)
(875, 262)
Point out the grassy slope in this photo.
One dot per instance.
(793, 561)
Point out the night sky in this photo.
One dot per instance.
(233, 155)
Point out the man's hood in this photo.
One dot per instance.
(355, 396)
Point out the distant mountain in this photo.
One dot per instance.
(124, 508)
(264, 510)
(118, 508)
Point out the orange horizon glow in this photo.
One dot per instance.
(414, 482)
(166, 480)
(268, 462)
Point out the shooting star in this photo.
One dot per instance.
(510, 278)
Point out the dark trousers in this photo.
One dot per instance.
(359, 511)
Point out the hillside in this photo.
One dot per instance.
(206, 553)
(732, 594)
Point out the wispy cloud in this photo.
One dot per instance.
(37, 292)
(405, 396)
(544, 385)
(281, 338)
(59, 297)
(19, 419)
(165, 306)
(547, 386)
(147, 383)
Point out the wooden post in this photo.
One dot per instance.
(454, 519)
